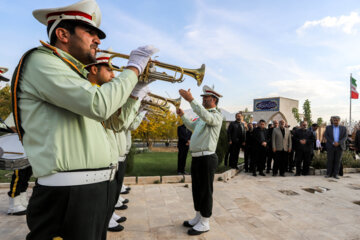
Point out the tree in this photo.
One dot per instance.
(307, 112)
(295, 111)
(319, 121)
(247, 117)
(5, 102)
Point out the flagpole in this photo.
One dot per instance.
(350, 102)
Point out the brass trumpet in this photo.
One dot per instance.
(176, 102)
(157, 102)
(155, 112)
(150, 74)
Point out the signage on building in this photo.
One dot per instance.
(270, 104)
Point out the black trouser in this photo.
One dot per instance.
(202, 176)
(260, 153)
(290, 164)
(303, 157)
(120, 179)
(19, 181)
(269, 157)
(234, 154)
(71, 212)
(247, 158)
(280, 162)
(182, 155)
(226, 160)
(334, 155)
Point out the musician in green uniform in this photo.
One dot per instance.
(58, 115)
(206, 130)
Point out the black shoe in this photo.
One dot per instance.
(124, 192)
(267, 171)
(337, 177)
(125, 201)
(121, 219)
(298, 174)
(262, 174)
(123, 207)
(118, 228)
(193, 232)
(326, 176)
(21, 213)
(128, 188)
(254, 174)
(282, 175)
(291, 171)
(246, 170)
(274, 174)
(187, 224)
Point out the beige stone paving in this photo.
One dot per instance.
(245, 208)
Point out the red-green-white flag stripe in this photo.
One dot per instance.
(354, 93)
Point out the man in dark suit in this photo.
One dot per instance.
(237, 138)
(270, 155)
(249, 145)
(335, 144)
(260, 147)
(184, 136)
(304, 143)
(357, 141)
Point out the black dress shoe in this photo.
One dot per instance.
(246, 170)
(262, 174)
(124, 192)
(274, 174)
(118, 228)
(125, 201)
(122, 207)
(282, 175)
(337, 177)
(128, 188)
(254, 174)
(187, 224)
(18, 213)
(267, 171)
(193, 232)
(298, 174)
(121, 219)
(326, 176)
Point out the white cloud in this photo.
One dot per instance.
(348, 24)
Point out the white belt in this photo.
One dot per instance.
(122, 158)
(77, 178)
(199, 154)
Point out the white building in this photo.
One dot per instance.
(275, 108)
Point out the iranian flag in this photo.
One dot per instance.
(354, 93)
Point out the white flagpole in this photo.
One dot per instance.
(350, 100)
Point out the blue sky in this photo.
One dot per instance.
(252, 49)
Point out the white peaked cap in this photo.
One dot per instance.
(86, 11)
(208, 91)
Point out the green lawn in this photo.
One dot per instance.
(145, 164)
(160, 163)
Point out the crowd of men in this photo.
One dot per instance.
(277, 149)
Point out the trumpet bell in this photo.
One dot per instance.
(197, 74)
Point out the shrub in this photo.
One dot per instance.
(222, 145)
(348, 160)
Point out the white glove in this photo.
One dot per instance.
(141, 90)
(140, 57)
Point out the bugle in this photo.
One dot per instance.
(151, 74)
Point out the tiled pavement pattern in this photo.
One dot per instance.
(245, 208)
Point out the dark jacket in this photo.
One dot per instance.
(250, 140)
(184, 135)
(357, 141)
(307, 135)
(329, 135)
(260, 136)
(236, 132)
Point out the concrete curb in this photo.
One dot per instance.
(225, 177)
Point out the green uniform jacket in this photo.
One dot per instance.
(206, 128)
(61, 114)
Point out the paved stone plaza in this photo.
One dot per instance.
(245, 208)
